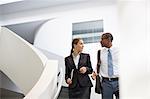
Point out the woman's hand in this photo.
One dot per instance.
(83, 70)
(69, 81)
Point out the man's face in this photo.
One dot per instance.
(104, 41)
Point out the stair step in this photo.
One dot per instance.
(8, 94)
(64, 93)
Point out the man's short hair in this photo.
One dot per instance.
(108, 35)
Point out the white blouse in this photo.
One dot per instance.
(76, 60)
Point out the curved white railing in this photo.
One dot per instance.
(21, 62)
(60, 76)
(28, 68)
(59, 82)
(46, 87)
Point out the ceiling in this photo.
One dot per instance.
(27, 5)
(8, 1)
(27, 30)
(34, 4)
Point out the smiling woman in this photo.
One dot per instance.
(8, 1)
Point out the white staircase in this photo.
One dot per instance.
(27, 67)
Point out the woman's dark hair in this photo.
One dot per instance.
(74, 41)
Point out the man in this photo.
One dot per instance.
(109, 67)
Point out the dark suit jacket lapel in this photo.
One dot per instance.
(72, 62)
(80, 61)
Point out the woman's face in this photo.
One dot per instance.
(79, 46)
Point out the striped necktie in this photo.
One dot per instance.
(110, 64)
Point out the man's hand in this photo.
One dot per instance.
(93, 75)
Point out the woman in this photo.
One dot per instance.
(78, 66)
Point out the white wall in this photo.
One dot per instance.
(61, 26)
(134, 36)
(133, 18)
(56, 35)
(148, 36)
(49, 11)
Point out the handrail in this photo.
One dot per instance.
(59, 83)
(19, 60)
(45, 88)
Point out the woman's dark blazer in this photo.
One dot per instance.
(82, 79)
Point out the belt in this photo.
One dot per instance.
(110, 79)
